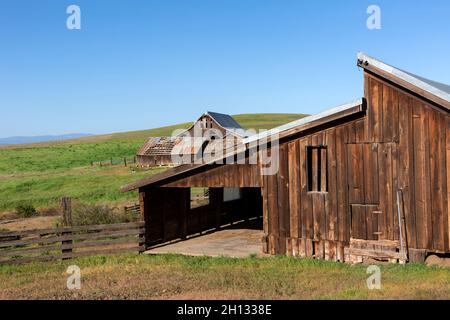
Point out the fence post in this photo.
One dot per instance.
(66, 210)
(125, 161)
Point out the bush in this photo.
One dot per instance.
(86, 214)
(26, 210)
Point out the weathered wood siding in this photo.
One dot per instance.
(154, 161)
(299, 221)
(401, 143)
(420, 132)
(238, 176)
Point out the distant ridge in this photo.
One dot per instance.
(34, 139)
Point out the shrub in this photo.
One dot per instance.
(87, 214)
(26, 210)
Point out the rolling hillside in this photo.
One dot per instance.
(36, 139)
(41, 173)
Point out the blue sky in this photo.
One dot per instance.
(143, 64)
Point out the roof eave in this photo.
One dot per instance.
(159, 177)
(404, 80)
(310, 122)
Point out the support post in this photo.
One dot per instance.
(401, 227)
(66, 211)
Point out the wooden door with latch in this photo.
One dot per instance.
(363, 166)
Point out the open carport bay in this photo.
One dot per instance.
(239, 240)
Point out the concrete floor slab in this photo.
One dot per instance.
(228, 242)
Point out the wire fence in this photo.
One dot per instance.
(125, 161)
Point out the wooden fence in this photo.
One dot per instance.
(133, 209)
(70, 242)
(126, 161)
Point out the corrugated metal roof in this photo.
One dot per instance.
(303, 121)
(441, 86)
(157, 146)
(224, 120)
(438, 89)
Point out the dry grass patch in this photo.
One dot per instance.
(181, 277)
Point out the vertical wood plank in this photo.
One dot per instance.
(406, 166)
(306, 201)
(395, 114)
(387, 113)
(394, 166)
(342, 185)
(443, 181)
(265, 197)
(318, 216)
(294, 188)
(371, 222)
(447, 119)
(436, 179)
(367, 95)
(274, 212)
(185, 203)
(283, 197)
(142, 204)
(392, 221)
(375, 111)
(358, 222)
(355, 173)
(360, 134)
(428, 186)
(420, 174)
(331, 203)
(385, 189)
(370, 163)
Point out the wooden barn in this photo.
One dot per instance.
(368, 179)
(157, 151)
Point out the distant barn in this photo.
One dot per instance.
(157, 151)
(369, 179)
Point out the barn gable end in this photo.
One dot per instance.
(157, 151)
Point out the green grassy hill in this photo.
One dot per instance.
(41, 173)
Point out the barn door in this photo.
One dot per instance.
(363, 190)
(364, 222)
(363, 173)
